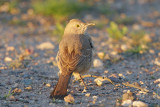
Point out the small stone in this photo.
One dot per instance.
(98, 82)
(127, 96)
(121, 75)
(15, 85)
(101, 55)
(157, 81)
(7, 59)
(97, 63)
(69, 99)
(45, 45)
(157, 62)
(88, 94)
(127, 103)
(106, 71)
(48, 85)
(158, 85)
(94, 99)
(139, 104)
(141, 82)
(107, 57)
(11, 98)
(113, 53)
(10, 48)
(28, 88)
(151, 51)
(124, 47)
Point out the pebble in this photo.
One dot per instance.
(7, 59)
(158, 85)
(157, 81)
(48, 85)
(94, 99)
(11, 98)
(127, 103)
(45, 45)
(88, 94)
(15, 85)
(139, 104)
(106, 71)
(10, 48)
(101, 55)
(28, 88)
(69, 99)
(98, 82)
(127, 96)
(97, 63)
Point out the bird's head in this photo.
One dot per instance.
(75, 26)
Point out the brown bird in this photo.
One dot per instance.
(74, 55)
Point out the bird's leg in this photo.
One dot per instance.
(83, 82)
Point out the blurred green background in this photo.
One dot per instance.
(125, 29)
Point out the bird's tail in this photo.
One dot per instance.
(60, 90)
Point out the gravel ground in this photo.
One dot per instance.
(37, 73)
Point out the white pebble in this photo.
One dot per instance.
(97, 63)
(139, 104)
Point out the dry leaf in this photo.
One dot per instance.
(16, 90)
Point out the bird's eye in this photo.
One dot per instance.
(77, 25)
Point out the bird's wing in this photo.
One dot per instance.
(70, 61)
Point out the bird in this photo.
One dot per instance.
(74, 55)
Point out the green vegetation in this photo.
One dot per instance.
(59, 30)
(13, 4)
(8, 94)
(59, 9)
(129, 41)
(138, 41)
(115, 32)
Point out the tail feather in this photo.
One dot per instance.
(60, 90)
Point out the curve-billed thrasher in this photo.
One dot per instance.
(74, 55)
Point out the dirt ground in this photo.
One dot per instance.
(37, 72)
